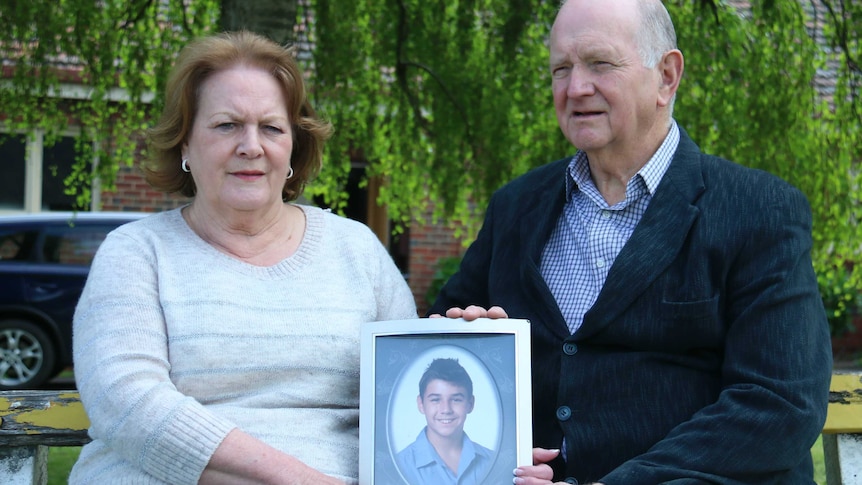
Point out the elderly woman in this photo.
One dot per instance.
(219, 342)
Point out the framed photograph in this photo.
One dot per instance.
(444, 396)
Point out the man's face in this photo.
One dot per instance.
(445, 406)
(604, 97)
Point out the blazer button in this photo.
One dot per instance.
(573, 481)
(570, 348)
(564, 413)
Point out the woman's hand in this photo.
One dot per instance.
(242, 459)
(539, 473)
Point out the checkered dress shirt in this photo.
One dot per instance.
(589, 233)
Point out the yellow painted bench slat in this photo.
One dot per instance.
(53, 418)
(845, 404)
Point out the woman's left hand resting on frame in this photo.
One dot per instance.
(539, 473)
(244, 460)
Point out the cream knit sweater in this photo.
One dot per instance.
(175, 344)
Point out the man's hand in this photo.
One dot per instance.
(473, 312)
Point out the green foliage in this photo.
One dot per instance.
(119, 50)
(447, 100)
(445, 268)
(749, 95)
(842, 300)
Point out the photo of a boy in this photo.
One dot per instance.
(442, 452)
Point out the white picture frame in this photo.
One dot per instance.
(394, 355)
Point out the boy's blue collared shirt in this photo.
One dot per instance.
(420, 464)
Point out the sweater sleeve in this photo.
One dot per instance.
(394, 298)
(123, 369)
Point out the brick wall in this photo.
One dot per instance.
(428, 243)
(848, 346)
(134, 194)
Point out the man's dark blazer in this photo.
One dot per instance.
(706, 357)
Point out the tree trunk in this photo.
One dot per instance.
(273, 18)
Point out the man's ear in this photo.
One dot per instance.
(472, 402)
(670, 69)
(420, 405)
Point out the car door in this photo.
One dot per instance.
(16, 245)
(57, 277)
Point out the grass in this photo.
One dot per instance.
(819, 465)
(66, 374)
(61, 459)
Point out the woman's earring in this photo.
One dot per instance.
(185, 165)
(289, 174)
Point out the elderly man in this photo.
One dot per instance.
(678, 333)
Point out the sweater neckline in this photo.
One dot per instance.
(302, 257)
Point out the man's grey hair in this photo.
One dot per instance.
(656, 34)
(654, 37)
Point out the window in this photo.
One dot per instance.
(34, 173)
(13, 154)
(57, 162)
(73, 245)
(15, 245)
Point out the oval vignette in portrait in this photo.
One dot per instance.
(482, 426)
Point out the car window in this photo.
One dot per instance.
(73, 244)
(16, 245)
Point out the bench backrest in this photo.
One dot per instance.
(51, 418)
(845, 404)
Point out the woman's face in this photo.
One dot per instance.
(240, 143)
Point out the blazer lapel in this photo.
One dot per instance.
(536, 224)
(656, 240)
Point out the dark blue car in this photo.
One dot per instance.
(44, 261)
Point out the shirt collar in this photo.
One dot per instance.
(427, 455)
(578, 172)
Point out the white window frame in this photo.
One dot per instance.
(34, 151)
(35, 148)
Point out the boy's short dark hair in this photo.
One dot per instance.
(449, 370)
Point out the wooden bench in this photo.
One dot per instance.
(32, 421)
(842, 433)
